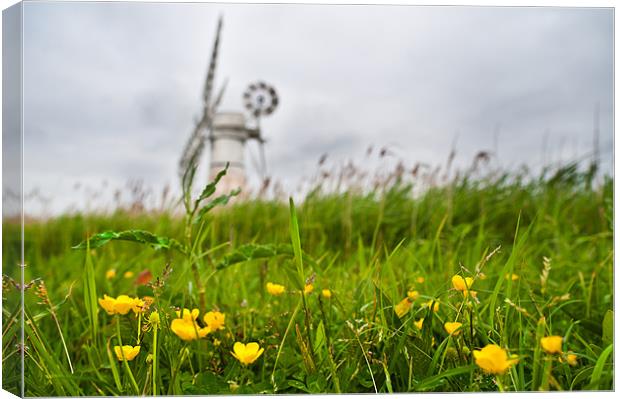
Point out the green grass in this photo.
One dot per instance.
(369, 250)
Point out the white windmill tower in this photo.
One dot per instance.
(228, 131)
(231, 130)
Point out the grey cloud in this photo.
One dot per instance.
(112, 88)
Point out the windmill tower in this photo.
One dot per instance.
(228, 131)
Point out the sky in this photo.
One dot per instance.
(111, 90)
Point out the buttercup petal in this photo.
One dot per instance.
(238, 347)
(252, 347)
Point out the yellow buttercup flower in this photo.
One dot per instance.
(326, 293)
(308, 289)
(453, 328)
(462, 284)
(215, 320)
(403, 307)
(513, 277)
(138, 305)
(570, 358)
(188, 315)
(107, 303)
(128, 275)
(494, 360)
(413, 295)
(429, 303)
(185, 326)
(188, 330)
(419, 323)
(420, 280)
(473, 294)
(121, 304)
(247, 354)
(552, 344)
(275, 289)
(124, 304)
(110, 274)
(129, 351)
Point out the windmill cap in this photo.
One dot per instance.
(229, 120)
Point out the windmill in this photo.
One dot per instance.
(228, 131)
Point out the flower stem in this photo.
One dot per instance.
(155, 361)
(546, 374)
(127, 368)
(139, 325)
(175, 371)
(498, 382)
(275, 364)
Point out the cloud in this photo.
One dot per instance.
(112, 89)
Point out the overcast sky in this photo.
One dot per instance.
(111, 90)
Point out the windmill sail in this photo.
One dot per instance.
(196, 142)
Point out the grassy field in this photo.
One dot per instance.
(534, 256)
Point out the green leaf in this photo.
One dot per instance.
(430, 371)
(90, 293)
(419, 350)
(250, 252)
(305, 351)
(316, 383)
(599, 367)
(608, 327)
(293, 275)
(388, 379)
(206, 384)
(63, 383)
(437, 380)
(296, 241)
(113, 361)
(221, 200)
(540, 332)
(319, 338)
(386, 307)
(508, 268)
(298, 385)
(210, 188)
(139, 236)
